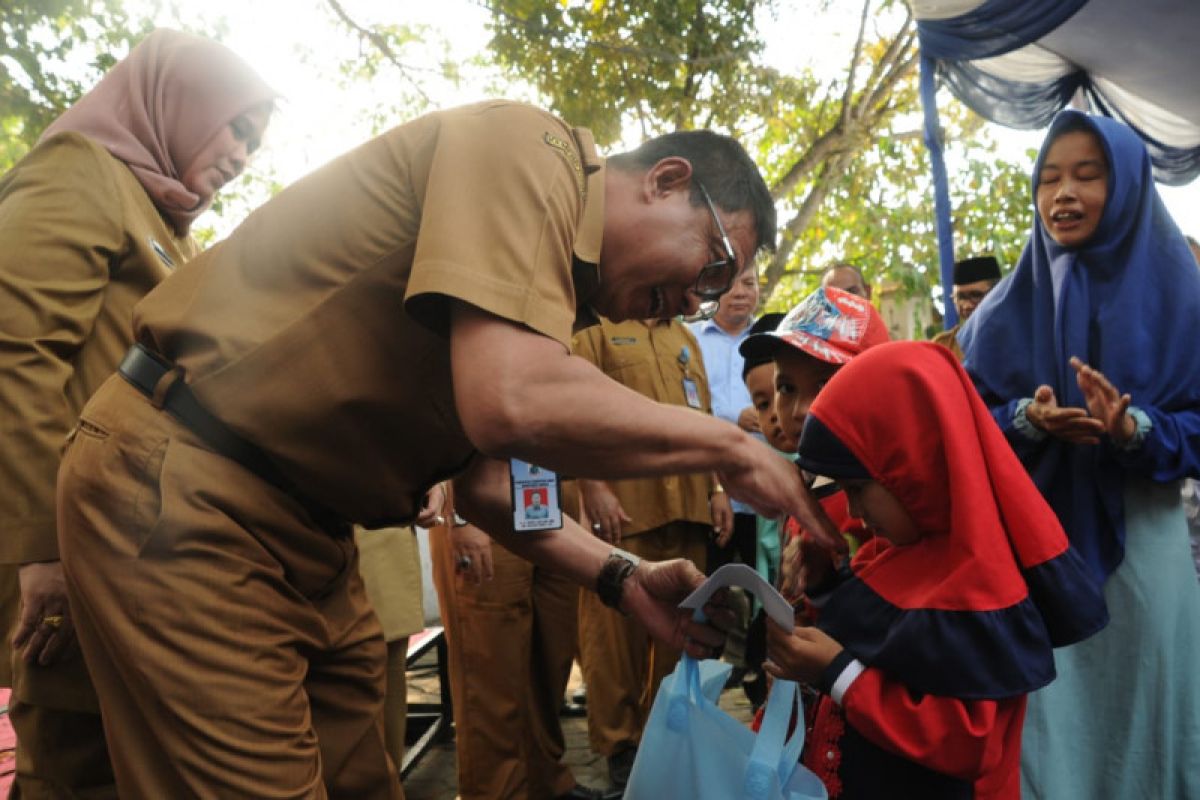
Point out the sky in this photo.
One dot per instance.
(320, 118)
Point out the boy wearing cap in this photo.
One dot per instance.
(759, 376)
(973, 279)
(816, 338)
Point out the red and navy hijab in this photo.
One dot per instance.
(973, 608)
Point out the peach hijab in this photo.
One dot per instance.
(158, 107)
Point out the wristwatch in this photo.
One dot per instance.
(610, 583)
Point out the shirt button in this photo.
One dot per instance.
(829, 756)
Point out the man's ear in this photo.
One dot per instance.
(669, 175)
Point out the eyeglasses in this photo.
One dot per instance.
(716, 277)
(969, 297)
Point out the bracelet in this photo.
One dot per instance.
(459, 522)
(610, 583)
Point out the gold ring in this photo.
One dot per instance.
(53, 621)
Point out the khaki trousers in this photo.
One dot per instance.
(10, 600)
(231, 642)
(511, 643)
(622, 664)
(61, 755)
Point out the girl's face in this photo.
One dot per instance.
(880, 511)
(1072, 188)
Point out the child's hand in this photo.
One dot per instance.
(805, 565)
(801, 655)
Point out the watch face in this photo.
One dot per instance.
(610, 583)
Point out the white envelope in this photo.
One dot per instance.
(745, 577)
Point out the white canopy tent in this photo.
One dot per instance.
(1017, 62)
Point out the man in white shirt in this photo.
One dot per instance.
(719, 339)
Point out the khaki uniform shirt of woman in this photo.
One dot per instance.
(91, 219)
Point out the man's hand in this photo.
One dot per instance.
(44, 631)
(1104, 402)
(430, 515)
(1066, 423)
(652, 595)
(472, 549)
(722, 517)
(801, 655)
(773, 487)
(603, 509)
(748, 420)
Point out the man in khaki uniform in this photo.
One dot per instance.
(398, 316)
(655, 518)
(510, 633)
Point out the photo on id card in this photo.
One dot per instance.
(536, 497)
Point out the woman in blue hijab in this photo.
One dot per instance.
(1087, 356)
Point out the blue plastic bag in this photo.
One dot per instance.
(692, 750)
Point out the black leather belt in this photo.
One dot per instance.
(144, 369)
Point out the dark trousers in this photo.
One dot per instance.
(742, 547)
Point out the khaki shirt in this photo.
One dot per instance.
(653, 360)
(949, 339)
(80, 244)
(319, 329)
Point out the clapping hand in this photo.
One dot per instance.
(1062, 422)
(1107, 406)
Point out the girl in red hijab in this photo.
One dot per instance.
(926, 645)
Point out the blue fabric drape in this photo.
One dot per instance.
(1129, 305)
(994, 28)
(941, 185)
(1174, 166)
(1015, 104)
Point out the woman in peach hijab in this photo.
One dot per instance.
(91, 219)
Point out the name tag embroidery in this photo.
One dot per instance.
(567, 151)
(162, 254)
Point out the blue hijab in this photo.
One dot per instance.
(1129, 306)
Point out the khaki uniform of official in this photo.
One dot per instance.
(80, 244)
(511, 642)
(237, 655)
(949, 339)
(622, 664)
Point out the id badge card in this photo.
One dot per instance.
(536, 497)
(691, 393)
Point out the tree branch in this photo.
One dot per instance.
(848, 95)
(381, 44)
